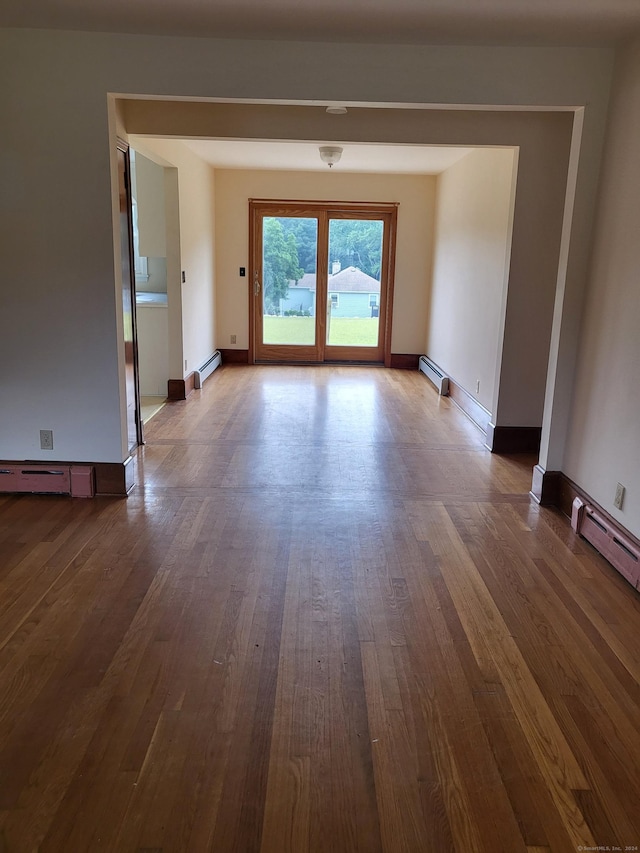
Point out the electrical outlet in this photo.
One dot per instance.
(233, 339)
(185, 364)
(46, 439)
(619, 498)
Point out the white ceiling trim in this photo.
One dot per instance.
(373, 105)
(287, 155)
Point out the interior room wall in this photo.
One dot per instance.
(149, 203)
(149, 194)
(157, 272)
(604, 436)
(164, 277)
(196, 189)
(538, 281)
(415, 195)
(473, 222)
(153, 349)
(61, 352)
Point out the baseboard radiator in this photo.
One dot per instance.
(207, 369)
(434, 375)
(75, 480)
(608, 539)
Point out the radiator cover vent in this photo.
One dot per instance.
(40, 478)
(207, 369)
(608, 539)
(434, 374)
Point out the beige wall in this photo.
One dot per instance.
(471, 263)
(604, 437)
(415, 194)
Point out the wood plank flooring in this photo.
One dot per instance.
(326, 619)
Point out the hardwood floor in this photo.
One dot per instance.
(326, 619)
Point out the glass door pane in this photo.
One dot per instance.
(289, 273)
(353, 282)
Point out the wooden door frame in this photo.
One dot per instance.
(388, 211)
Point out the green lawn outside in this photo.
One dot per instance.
(345, 331)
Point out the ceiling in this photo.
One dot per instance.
(304, 156)
(567, 22)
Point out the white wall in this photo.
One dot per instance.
(61, 351)
(471, 261)
(604, 436)
(415, 194)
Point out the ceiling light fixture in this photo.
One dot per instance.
(330, 154)
(336, 110)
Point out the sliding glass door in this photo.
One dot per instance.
(321, 283)
(286, 287)
(354, 332)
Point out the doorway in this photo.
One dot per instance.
(149, 205)
(134, 421)
(321, 286)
